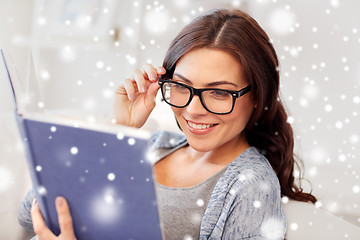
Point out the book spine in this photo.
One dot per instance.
(31, 162)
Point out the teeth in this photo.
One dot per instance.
(199, 126)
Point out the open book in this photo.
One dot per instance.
(102, 170)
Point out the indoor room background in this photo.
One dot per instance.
(83, 49)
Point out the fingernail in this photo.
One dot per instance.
(33, 203)
(142, 89)
(131, 96)
(160, 69)
(59, 201)
(153, 76)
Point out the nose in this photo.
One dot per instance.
(195, 106)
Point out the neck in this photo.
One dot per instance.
(222, 155)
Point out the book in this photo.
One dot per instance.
(102, 170)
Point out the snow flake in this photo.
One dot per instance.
(339, 125)
(354, 139)
(313, 171)
(74, 150)
(318, 154)
(41, 21)
(232, 191)
(83, 228)
(188, 237)
(328, 108)
(196, 218)
(99, 64)
(156, 20)
(282, 21)
(272, 228)
(42, 190)
(356, 99)
(335, 3)
(285, 199)
(290, 120)
(200, 202)
(45, 75)
(38, 168)
(82, 179)
(131, 141)
(53, 129)
(111, 176)
(41, 104)
(131, 60)
(129, 32)
(120, 136)
(342, 157)
(106, 206)
(356, 189)
(257, 204)
(294, 226)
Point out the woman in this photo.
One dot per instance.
(224, 177)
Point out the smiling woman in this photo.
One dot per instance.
(224, 177)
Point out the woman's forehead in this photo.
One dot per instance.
(209, 65)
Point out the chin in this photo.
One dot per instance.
(200, 145)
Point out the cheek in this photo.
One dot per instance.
(243, 111)
(176, 111)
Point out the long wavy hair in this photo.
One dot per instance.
(239, 34)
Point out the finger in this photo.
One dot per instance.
(140, 80)
(160, 70)
(151, 95)
(150, 71)
(129, 88)
(65, 219)
(39, 225)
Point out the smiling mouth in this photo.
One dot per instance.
(200, 126)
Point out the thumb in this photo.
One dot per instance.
(151, 93)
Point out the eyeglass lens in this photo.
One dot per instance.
(216, 101)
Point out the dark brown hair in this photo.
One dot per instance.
(239, 34)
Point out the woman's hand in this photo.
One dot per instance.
(135, 98)
(65, 222)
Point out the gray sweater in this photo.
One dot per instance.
(246, 201)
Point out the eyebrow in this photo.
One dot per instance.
(212, 84)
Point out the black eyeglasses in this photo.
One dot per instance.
(214, 100)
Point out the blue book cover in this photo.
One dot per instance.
(103, 171)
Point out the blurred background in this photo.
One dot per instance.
(82, 49)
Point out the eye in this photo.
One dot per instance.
(219, 94)
(178, 88)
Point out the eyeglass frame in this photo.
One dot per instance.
(198, 92)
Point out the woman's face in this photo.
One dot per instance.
(205, 131)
